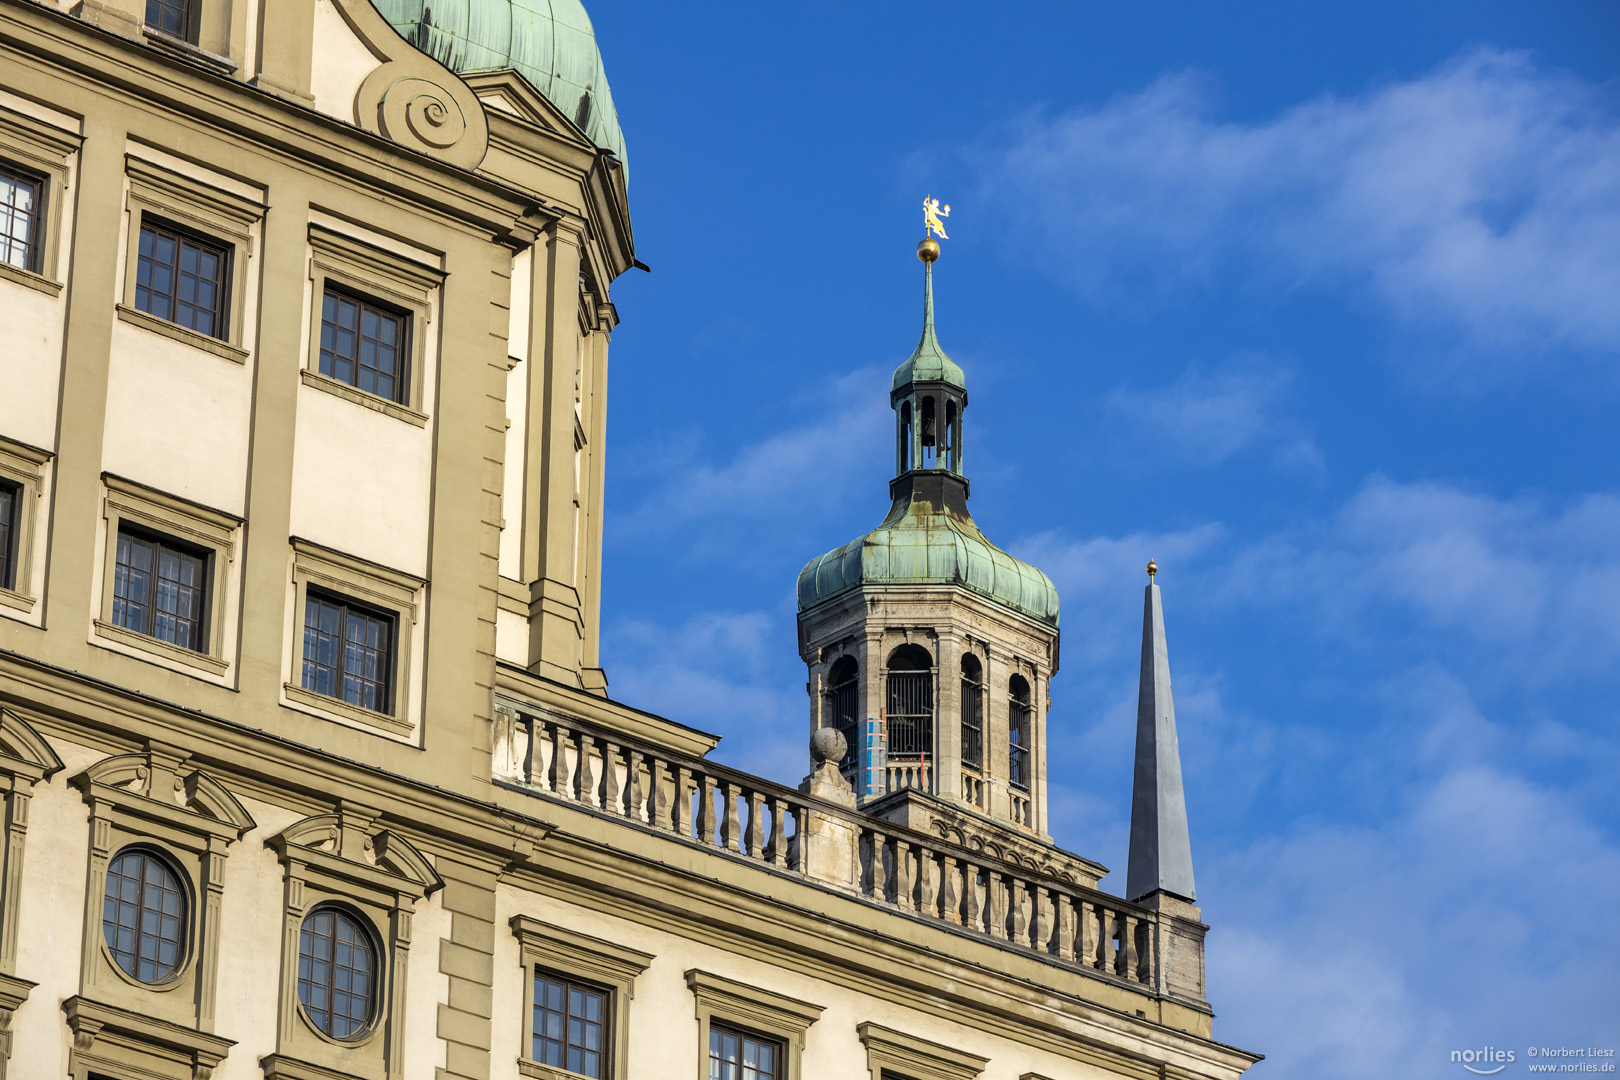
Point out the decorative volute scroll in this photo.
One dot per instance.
(412, 99)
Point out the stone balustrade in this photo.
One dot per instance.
(744, 817)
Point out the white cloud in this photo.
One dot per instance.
(1483, 197)
(1205, 417)
(819, 452)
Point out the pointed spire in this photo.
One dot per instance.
(1161, 851)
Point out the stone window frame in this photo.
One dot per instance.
(896, 1052)
(573, 955)
(49, 152)
(764, 1012)
(345, 859)
(214, 532)
(23, 467)
(153, 800)
(395, 593)
(175, 201)
(362, 270)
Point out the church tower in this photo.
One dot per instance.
(929, 648)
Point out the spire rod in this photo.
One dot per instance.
(1161, 849)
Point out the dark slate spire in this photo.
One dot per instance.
(1161, 852)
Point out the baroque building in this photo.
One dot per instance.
(309, 765)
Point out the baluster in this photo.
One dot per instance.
(683, 801)
(633, 785)
(658, 793)
(880, 879)
(801, 834)
(612, 797)
(995, 901)
(970, 894)
(1043, 904)
(561, 774)
(950, 901)
(904, 883)
(1129, 942)
(756, 825)
(1088, 934)
(730, 827)
(1110, 947)
(927, 882)
(1065, 927)
(706, 825)
(778, 849)
(1016, 894)
(587, 779)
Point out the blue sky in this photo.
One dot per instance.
(1319, 306)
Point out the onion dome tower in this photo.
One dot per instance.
(928, 647)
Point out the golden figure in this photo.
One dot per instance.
(932, 212)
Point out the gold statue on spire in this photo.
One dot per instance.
(928, 250)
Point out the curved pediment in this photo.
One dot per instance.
(24, 750)
(161, 777)
(351, 836)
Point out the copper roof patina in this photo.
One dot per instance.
(929, 537)
(549, 42)
(924, 541)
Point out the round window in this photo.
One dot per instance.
(337, 973)
(144, 915)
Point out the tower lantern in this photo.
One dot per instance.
(927, 646)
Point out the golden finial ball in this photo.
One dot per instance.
(1152, 568)
(928, 250)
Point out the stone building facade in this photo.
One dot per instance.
(308, 762)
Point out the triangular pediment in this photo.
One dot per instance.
(511, 93)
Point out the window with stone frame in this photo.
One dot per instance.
(747, 1032)
(22, 208)
(177, 18)
(161, 830)
(8, 533)
(168, 569)
(159, 588)
(738, 1054)
(183, 278)
(578, 992)
(355, 656)
(898, 1055)
(352, 884)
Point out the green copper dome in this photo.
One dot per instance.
(548, 42)
(929, 539)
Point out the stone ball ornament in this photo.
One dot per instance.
(828, 745)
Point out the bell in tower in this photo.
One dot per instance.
(929, 648)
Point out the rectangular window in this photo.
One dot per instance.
(181, 280)
(171, 17)
(158, 590)
(737, 1055)
(8, 535)
(570, 1025)
(348, 652)
(363, 344)
(20, 217)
